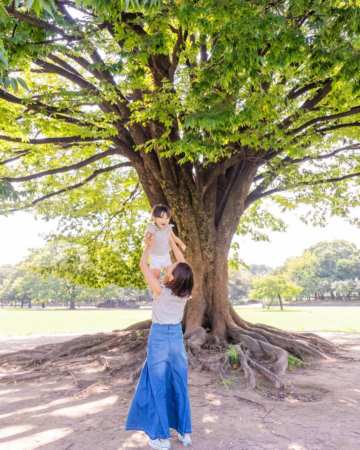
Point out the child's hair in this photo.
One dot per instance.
(182, 283)
(159, 209)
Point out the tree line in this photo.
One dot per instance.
(55, 275)
(58, 275)
(325, 271)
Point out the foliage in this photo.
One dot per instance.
(293, 361)
(21, 285)
(233, 355)
(240, 279)
(326, 269)
(51, 276)
(272, 287)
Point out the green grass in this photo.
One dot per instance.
(340, 319)
(15, 322)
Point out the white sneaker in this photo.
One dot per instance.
(185, 439)
(165, 443)
(160, 444)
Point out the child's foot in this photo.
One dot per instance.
(160, 444)
(185, 439)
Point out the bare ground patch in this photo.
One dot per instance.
(318, 409)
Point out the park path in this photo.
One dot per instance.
(320, 411)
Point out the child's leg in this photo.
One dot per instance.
(156, 272)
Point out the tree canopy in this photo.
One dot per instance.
(92, 84)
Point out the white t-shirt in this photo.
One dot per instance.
(167, 307)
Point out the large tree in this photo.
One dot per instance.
(214, 105)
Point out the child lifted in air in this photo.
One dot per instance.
(160, 233)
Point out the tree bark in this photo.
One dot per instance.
(281, 303)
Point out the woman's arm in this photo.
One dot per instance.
(177, 252)
(150, 278)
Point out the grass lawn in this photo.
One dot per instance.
(15, 322)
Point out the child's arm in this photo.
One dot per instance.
(177, 252)
(178, 241)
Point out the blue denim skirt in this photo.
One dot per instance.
(161, 400)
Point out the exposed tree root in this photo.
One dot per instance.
(143, 325)
(104, 353)
(262, 351)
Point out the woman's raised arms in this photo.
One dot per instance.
(150, 278)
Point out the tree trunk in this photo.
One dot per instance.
(72, 304)
(281, 303)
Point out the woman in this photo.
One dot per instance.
(161, 400)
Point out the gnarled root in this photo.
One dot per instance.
(262, 351)
(108, 353)
(265, 349)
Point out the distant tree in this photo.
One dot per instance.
(322, 268)
(302, 271)
(274, 287)
(334, 258)
(240, 279)
(346, 289)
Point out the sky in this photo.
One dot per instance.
(295, 240)
(22, 231)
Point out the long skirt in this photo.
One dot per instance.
(161, 400)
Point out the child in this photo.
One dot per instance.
(160, 232)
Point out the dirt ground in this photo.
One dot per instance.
(320, 410)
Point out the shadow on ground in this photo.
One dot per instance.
(319, 411)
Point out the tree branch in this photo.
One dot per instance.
(50, 140)
(122, 145)
(95, 174)
(179, 45)
(78, 165)
(298, 91)
(45, 109)
(64, 64)
(14, 158)
(305, 183)
(350, 112)
(38, 23)
(289, 160)
(319, 95)
(70, 75)
(309, 104)
(95, 56)
(269, 176)
(215, 170)
(340, 125)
